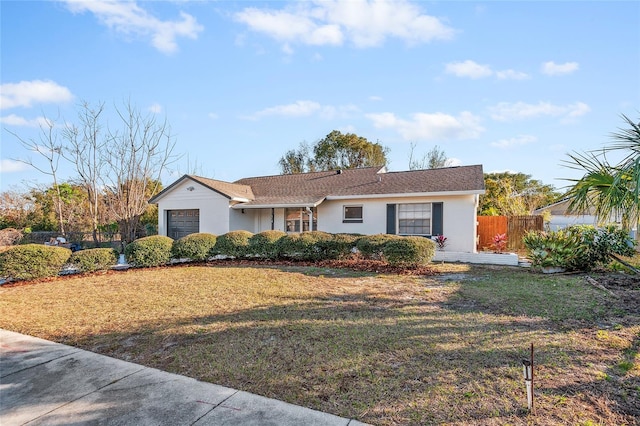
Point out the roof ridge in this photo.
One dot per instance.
(310, 173)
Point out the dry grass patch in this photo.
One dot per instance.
(383, 349)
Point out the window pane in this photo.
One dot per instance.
(353, 212)
(414, 219)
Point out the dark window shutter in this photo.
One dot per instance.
(436, 219)
(391, 218)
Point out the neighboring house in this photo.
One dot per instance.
(363, 201)
(561, 218)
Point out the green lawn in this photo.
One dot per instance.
(384, 349)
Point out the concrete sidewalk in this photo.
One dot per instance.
(46, 383)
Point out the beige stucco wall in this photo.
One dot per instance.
(214, 207)
(242, 219)
(217, 217)
(459, 218)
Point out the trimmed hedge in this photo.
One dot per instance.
(233, 243)
(409, 251)
(339, 246)
(265, 244)
(31, 261)
(149, 251)
(304, 246)
(371, 246)
(194, 246)
(96, 259)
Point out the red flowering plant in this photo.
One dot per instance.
(500, 242)
(441, 241)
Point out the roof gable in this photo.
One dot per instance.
(231, 191)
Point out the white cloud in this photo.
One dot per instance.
(374, 98)
(474, 70)
(290, 27)
(297, 109)
(468, 69)
(213, 116)
(512, 142)
(305, 109)
(15, 120)
(155, 108)
(511, 75)
(453, 162)
(27, 93)
(505, 111)
(12, 166)
(423, 126)
(127, 17)
(551, 68)
(333, 22)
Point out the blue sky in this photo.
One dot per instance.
(509, 85)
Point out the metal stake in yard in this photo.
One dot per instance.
(527, 368)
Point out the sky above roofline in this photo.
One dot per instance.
(514, 86)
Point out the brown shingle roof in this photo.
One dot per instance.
(231, 190)
(310, 189)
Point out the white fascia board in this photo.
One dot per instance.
(240, 200)
(274, 206)
(404, 195)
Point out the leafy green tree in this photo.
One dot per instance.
(514, 194)
(613, 190)
(436, 158)
(297, 160)
(335, 151)
(348, 151)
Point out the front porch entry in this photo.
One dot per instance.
(301, 219)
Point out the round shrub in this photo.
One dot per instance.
(371, 246)
(304, 246)
(339, 246)
(96, 259)
(149, 251)
(233, 243)
(409, 251)
(265, 244)
(31, 261)
(194, 246)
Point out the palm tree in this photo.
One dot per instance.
(612, 190)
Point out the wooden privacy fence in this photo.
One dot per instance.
(514, 226)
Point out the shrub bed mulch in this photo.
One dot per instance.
(358, 265)
(361, 265)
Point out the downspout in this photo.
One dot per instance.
(273, 218)
(310, 218)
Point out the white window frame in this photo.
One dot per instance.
(429, 217)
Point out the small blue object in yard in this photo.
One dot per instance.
(75, 247)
